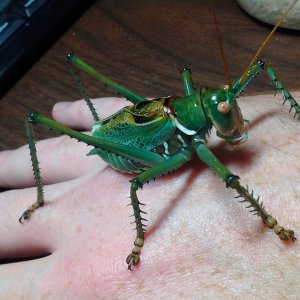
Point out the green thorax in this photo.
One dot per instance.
(189, 113)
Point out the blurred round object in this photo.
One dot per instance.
(270, 11)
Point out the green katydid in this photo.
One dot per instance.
(151, 138)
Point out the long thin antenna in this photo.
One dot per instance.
(263, 45)
(226, 71)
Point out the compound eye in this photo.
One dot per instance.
(223, 107)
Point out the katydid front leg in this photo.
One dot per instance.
(232, 181)
(259, 66)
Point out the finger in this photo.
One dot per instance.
(60, 159)
(77, 114)
(17, 240)
(17, 280)
(49, 226)
(43, 233)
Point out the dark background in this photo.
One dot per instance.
(144, 44)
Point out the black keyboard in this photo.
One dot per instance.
(28, 28)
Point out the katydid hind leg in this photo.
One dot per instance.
(139, 155)
(244, 193)
(36, 172)
(83, 92)
(165, 167)
(118, 88)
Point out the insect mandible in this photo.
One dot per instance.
(151, 138)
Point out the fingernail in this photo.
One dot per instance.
(61, 106)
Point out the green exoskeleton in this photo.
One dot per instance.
(152, 138)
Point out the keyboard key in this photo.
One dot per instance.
(8, 25)
(27, 8)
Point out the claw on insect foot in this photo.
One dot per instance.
(134, 257)
(27, 213)
(284, 234)
(132, 260)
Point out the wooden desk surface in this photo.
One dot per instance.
(143, 44)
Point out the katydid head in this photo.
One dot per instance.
(223, 112)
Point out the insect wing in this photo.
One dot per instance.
(136, 130)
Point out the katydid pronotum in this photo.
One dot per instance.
(151, 138)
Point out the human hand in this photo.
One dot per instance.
(201, 243)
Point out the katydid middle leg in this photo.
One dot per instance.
(165, 167)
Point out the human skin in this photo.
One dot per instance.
(201, 243)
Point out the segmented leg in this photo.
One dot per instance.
(258, 209)
(285, 93)
(83, 92)
(187, 82)
(125, 92)
(232, 181)
(165, 167)
(36, 173)
(239, 85)
(138, 155)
